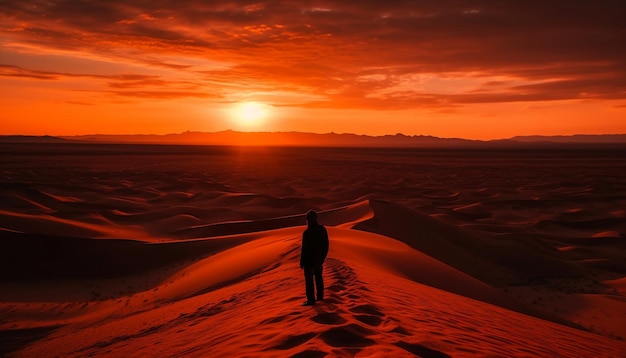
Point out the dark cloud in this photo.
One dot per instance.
(15, 71)
(123, 85)
(559, 49)
(163, 94)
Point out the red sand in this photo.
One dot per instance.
(197, 255)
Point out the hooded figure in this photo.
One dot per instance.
(314, 251)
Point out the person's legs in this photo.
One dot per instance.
(308, 283)
(319, 282)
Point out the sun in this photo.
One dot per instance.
(250, 114)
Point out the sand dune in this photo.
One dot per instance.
(382, 297)
(240, 301)
(139, 258)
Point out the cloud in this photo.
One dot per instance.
(162, 94)
(122, 85)
(516, 50)
(15, 71)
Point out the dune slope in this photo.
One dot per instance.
(240, 295)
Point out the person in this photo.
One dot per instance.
(314, 252)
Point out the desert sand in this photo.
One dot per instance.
(174, 251)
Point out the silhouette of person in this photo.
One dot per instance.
(314, 251)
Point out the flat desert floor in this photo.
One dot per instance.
(175, 251)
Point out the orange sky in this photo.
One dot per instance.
(481, 71)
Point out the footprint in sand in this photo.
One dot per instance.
(374, 321)
(351, 335)
(367, 309)
(345, 280)
(294, 341)
(366, 313)
(370, 314)
(347, 287)
(336, 288)
(331, 318)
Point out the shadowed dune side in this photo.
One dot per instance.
(25, 257)
(610, 226)
(494, 260)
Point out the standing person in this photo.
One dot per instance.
(314, 251)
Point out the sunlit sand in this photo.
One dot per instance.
(122, 250)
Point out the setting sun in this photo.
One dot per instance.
(250, 114)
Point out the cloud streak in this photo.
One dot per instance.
(351, 54)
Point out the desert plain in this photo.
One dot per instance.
(192, 251)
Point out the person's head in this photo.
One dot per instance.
(311, 217)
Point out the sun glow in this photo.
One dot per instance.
(250, 114)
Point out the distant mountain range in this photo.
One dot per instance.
(31, 139)
(230, 137)
(578, 138)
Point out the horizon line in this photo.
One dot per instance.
(63, 136)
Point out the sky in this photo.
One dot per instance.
(470, 69)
